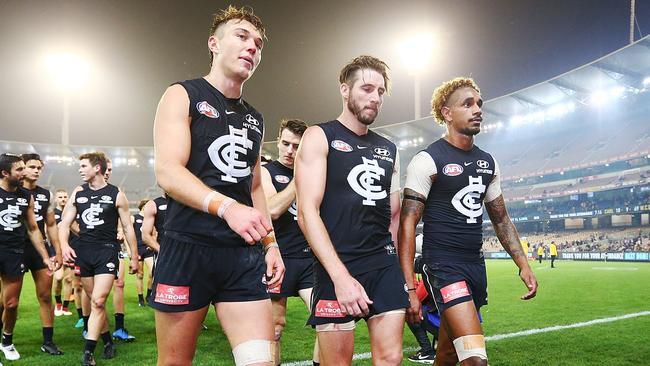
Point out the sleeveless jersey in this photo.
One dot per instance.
(159, 222)
(453, 213)
(287, 232)
(13, 216)
(58, 214)
(356, 203)
(137, 228)
(226, 135)
(41, 198)
(98, 215)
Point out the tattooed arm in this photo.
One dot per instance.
(509, 238)
(420, 175)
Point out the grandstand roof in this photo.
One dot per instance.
(621, 74)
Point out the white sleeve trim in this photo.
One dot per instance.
(494, 188)
(419, 172)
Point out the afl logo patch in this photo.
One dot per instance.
(382, 151)
(341, 146)
(207, 110)
(483, 164)
(82, 199)
(282, 179)
(452, 170)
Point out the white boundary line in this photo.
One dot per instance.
(497, 337)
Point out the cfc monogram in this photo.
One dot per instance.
(90, 216)
(468, 200)
(225, 152)
(362, 179)
(9, 218)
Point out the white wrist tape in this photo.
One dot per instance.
(206, 201)
(224, 206)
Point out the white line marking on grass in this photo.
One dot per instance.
(616, 268)
(497, 337)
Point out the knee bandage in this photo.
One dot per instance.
(470, 346)
(336, 327)
(253, 351)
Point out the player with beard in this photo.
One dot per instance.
(447, 186)
(347, 184)
(44, 213)
(277, 181)
(208, 142)
(17, 219)
(100, 205)
(63, 276)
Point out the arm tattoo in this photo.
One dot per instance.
(413, 203)
(504, 228)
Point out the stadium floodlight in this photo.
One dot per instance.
(598, 97)
(416, 51)
(646, 81)
(68, 71)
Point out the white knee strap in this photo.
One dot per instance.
(253, 351)
(470, 346)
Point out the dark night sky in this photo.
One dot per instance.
(137, 48)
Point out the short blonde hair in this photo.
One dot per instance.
(444, 91)
(232, 12)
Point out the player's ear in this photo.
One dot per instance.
(446, 113)
(345, 91)
(213, 44)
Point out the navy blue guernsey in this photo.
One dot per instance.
(287, 232)
(13, 217)
(98, 215)
(58, 215)
(356, 203)
(159, 221)
(226, 135)
(137, 227)
(453, 213)
(41, 198)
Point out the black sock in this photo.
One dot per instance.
(148, 293)
(1, 323)
(119, 321)
(65, 304)
(85, 318)
(80, 314)
(7, 339)
(48, 333)
(106, 338)
(58, 299)
(90, 345)
(140, 298)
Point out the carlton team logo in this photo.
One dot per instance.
(228, 154)
(468, 200)
(90, 216)
(452, 170)
(363, 178)
(328, 309)
(454, 291)
(341, 146)
(172, 295)
(9, 218)
(207, 110)
(293, 209)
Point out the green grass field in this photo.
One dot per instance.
(574, 292)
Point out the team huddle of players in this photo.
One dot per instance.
(327, 221)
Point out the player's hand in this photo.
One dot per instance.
(414, 311)
(529, 279)
(133, 266)
(57, 260)
(274, 267)
(51, 265)
(120, 236)
(68, 254)
(352, 297)
(247, 222)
